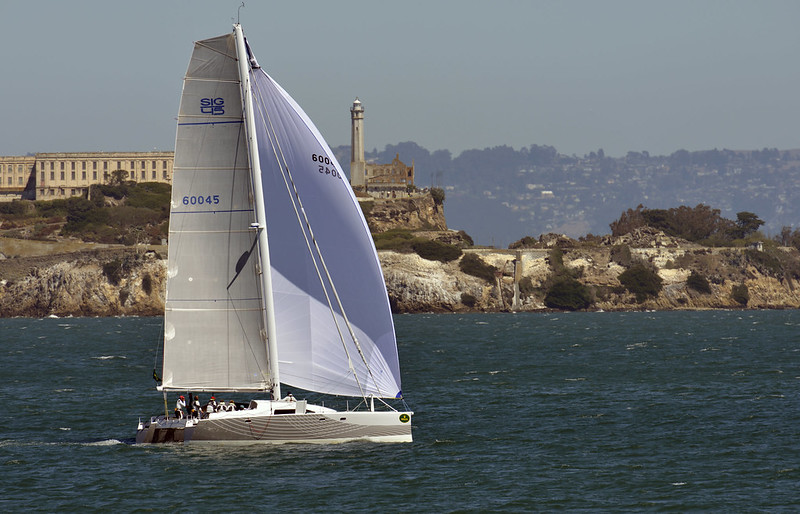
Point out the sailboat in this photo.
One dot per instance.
(273, 278)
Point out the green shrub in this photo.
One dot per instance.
(556, 259)
(438, 195)
(435, 250)
(396, 239)
(740, 294)
(113, 271)
(468, 300)
(147, 284)
(698, 282)
(473, 265)
(526, 288)
(568, 294)
(621, 254)
(641, 281)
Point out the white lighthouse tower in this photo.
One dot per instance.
(357, 163)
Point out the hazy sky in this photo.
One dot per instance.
(447, 74)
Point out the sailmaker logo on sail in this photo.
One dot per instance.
(213, 106)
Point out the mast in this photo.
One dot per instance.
(261, 217)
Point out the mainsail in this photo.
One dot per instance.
(332, 317)
(213, 335)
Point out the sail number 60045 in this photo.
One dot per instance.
(201, 200)
(325, 165)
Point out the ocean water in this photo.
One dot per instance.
(675, 411)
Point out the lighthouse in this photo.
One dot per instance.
(357, 163)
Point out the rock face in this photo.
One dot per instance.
(411, 213)
(128, 283)
(81, 286)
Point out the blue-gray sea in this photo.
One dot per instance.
(676, 411)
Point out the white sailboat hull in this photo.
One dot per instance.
(263, 425)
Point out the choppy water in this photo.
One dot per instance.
(581, 411)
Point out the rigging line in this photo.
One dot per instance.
(324, 266)
(273, 139)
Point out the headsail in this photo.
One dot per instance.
(213, 336)
(297, 164)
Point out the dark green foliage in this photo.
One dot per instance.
(471, 264)
(397, 239)
(438, 195)
(556, 257)
(468, 300)
(366, 207)
(766, 262)
(15, 208)
(747, 223)
(467, 238)
(435, 251)
(697, 224)
(525, 242)
(621, 254)
(113, 271)
(568, 294)
(149, 195)
(740, 294)
(698, 282)
(641, 281)
(147, 284)
(526, 288)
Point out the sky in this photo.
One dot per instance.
(579, 75)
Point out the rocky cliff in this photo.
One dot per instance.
(125, 282)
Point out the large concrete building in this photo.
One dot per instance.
(49, 176)
(381, 180)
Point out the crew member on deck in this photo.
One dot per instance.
(180, 405)
(212, 405)
(289, 398)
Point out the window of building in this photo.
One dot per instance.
(133, 175)
(73, 165)
(62, 174)
(143, 164)
(164, 165)
(19, 181)
(84, 165)
(52, 165)
(19, 168)
(94, 165)
(52, 175)
(10, 181)
(62, 165)
(41, 177)
(94, 175)
(154, 173)
(73, 174)
(165, 174)
(119, 165)
(83, 175)
(105, 165)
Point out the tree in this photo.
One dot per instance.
(568, 294)
(747, 223)
(641, 281)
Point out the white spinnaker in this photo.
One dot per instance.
(213, 337)
(309, 346)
